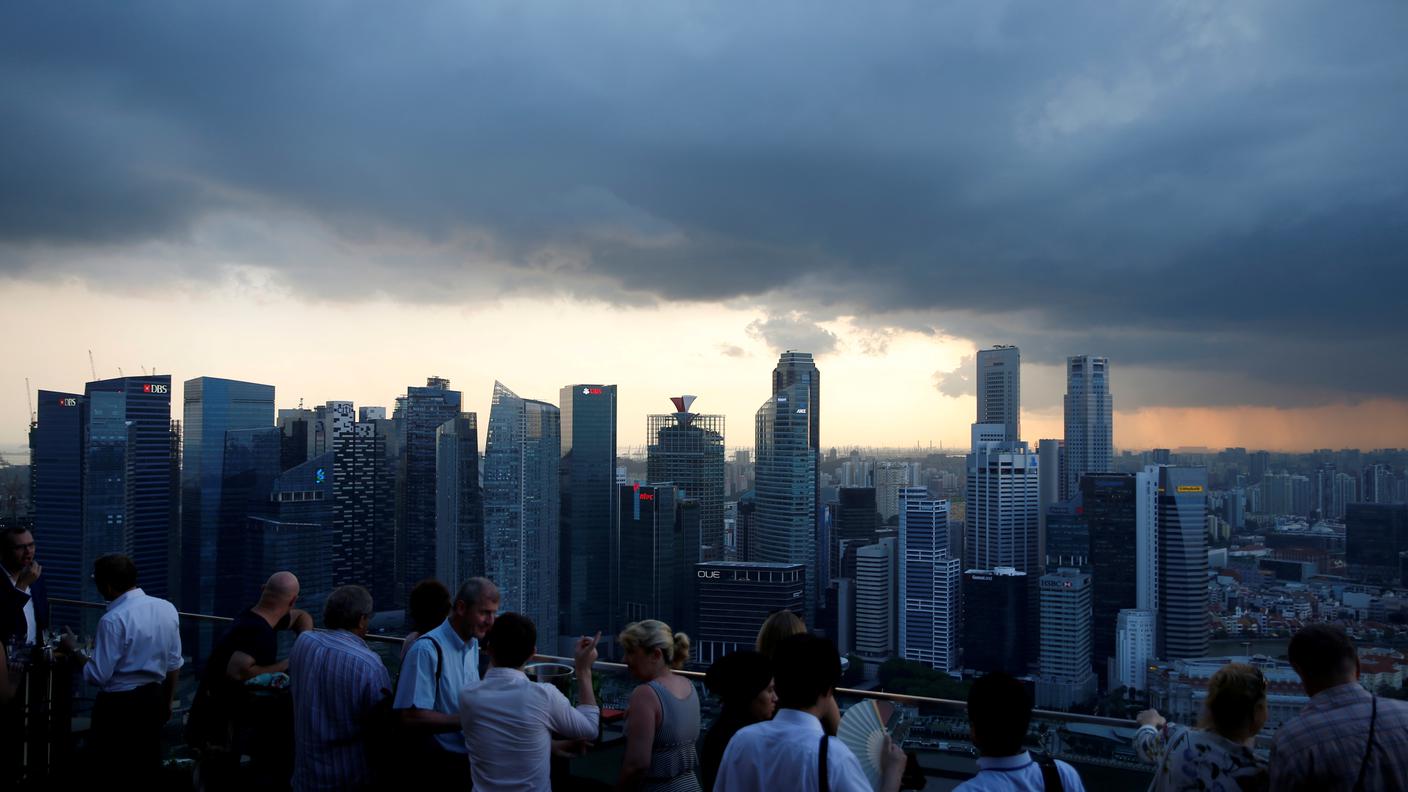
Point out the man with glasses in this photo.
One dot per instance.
(339, 686)
(24, 608)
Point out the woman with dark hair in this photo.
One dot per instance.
(1218, 753)
(426, 608)
(742, 681)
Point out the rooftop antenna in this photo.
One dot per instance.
(119, 372)
(144, 369)
(92, 368)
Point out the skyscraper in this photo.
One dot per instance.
(1183, 562)
(1120, 513)
(364, 510)
(588, 522)
(129, 503)
(659, 529)
(1000, 390)
(735, 598)
(1003, 497)
(521, 507)
(876, 591)
(459, 505)
(1066, 679)
(687, 450)
(1089, 443)
(798, 369)
(930, 572)
(1375, 535)
(213, 407)
(1134, 648)
(248, 469)
(995, 620)
(1049, 487)
(785, 521)
(56, 481)
(418, 415)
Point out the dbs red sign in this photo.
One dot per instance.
(150, 388)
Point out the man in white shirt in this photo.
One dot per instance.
(999, 713)
(786, 752)
(135, 663)
(509, 722)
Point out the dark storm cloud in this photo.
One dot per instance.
(1215, 191)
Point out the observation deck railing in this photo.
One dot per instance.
(1099, 747)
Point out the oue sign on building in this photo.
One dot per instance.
(707, 574)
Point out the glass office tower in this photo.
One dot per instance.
(687, 449)
(1183, 562)
(212, 407)
(56, 481)
(785, 521)
(459, 506)
(418, 415)
(588, 525)
(521, 515)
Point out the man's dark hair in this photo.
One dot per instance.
(806, 667)
(1322, 653)
(11, 533)
(511, 640)
(345, 608)
(116, 571)
(999, 711)
(428, 605)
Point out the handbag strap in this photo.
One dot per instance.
(821, 771)
(1369, 745)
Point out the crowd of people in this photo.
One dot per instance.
(463, 713)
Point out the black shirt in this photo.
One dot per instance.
(218, 698)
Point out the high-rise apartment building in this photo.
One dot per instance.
(1000, 390)
(785, 522)
(890, 478)
(876, 595)
(930, 572)
(1089, 407)
(735, 598)
(459, 503)
(1183, 562)
(588, 522)
(995, 620)
(521, 509)
(417, 417)
(687, 450)
(129, 502)
(1002, 505)
(1134, 648)
(1066, 680)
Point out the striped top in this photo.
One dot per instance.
(337, 682)
(1323, 748)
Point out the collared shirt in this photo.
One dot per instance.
(508, 725)
(29, 636)
(1323, 747)
(1016, 774)
(138, 642)
(1197, 759)
(783, 753)
(337, 683)
(459, 668)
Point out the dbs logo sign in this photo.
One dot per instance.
(150, 388)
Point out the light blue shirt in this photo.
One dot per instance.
(459, 670)
(1016, 774)
(138, 642)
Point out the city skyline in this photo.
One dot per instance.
(1210, 196)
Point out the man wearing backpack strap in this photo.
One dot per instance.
(999, 712)
(437, 667)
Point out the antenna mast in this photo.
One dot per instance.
(92, 368)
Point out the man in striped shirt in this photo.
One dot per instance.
(338, 684)
(1346, 739)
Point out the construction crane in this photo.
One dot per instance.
(92, 367)
(28, 400)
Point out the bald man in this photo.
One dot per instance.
(230, 718)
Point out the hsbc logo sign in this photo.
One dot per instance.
(150, 388)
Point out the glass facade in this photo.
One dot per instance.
(521, 455)
(658, 529)
(1183, 562)
(588, 524)
(129, 503)
(459, 505)
(249, 467)
(1111, 517)
(995, 620)
(212, 407)
(1089, 440)
(687, 449)
(784, 526)
(418, 415)
(735, 598)
(57, 485)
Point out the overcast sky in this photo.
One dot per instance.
(342, 198)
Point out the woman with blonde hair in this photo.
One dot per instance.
(662, 717)
(1218, 753)
(781, 624)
